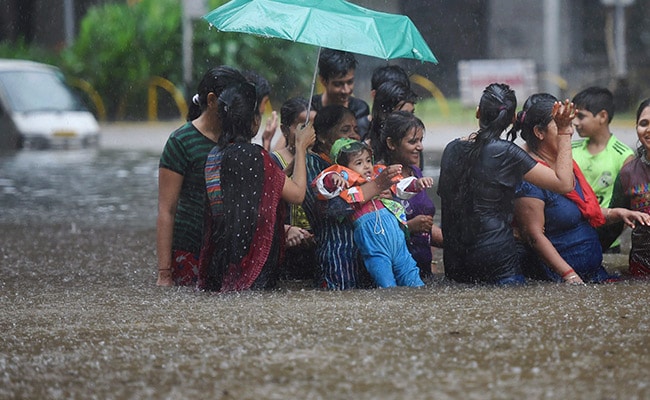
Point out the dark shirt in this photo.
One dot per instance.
(479, 244)
(185, 153)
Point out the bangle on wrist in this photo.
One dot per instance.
(567, 273)
(566, 132)
(164, 269)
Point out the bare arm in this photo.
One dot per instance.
(629, 217)
(169, 189)
(436, 236)
(269, 130)
(383, 182)
(530, 217)
(294, 188)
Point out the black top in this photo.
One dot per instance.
(479, 244)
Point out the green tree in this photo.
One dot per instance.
(120, 47)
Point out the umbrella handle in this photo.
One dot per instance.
(313, 84)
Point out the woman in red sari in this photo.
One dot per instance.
(244, 239)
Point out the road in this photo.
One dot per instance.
(151, 136)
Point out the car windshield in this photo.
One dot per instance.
(29, 91)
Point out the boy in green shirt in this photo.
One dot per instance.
(600, 155)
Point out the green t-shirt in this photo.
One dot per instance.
(601, 169)
(185, 153)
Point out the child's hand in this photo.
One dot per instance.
(425, 182)
(305, 136)
(339, 181)
(386, 194)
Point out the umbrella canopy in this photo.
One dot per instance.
(335, 24)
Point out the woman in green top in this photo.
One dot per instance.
(181, 181)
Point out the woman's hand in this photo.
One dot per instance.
(573, 279)
(165, 277)
(305, 136)
(296, 236)
(425, 182)
(269, 130)
(388, 176)
(563, 114)
(420, 224)
(629, 217)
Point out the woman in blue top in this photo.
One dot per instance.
(560, 229)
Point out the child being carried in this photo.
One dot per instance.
(379, 222)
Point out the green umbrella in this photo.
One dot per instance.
(335, 24)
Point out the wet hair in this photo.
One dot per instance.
(536, 112)
(347, 153)
(215, 80)
(389, 95)
(397, 125)
(262, 86)
(291, 110)
(389, 73)
(642, 106)
(496, 111)
(595, 99)
(326, 119)
(641, 150)
(335, 63)
(237, 107)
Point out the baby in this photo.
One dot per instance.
(379, 222)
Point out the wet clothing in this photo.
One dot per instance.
(419, 244)
(379, 225)
(295, 214)
(359, 107)
(385, 255)
(632, 190)
(185, 153)
(185, 268)
(479, 245)
(568, 230)
(300, 261)
(244, 236)
(339, 262)
(601, 170)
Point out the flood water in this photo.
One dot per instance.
(82, 318)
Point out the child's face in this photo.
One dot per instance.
(361, 163)
(587, 124)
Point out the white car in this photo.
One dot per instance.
(38, 110)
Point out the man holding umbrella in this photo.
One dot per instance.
(336, 73)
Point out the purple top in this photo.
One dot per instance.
(419, 244)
